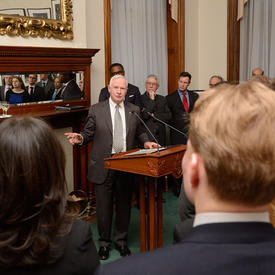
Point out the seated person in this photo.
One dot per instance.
(157, 106)
(37, 236)
(229, 176)
(18, 93)
(71, 90)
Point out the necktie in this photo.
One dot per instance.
(54, 94)
(43, 84)
(31, 91)
(185, 103)
(118, 131)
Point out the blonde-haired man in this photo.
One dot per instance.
(229, 175)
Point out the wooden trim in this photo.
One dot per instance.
(107, 38)
(175, 45)
(233, 42)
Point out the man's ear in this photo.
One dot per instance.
(194, 170)
(109, 88)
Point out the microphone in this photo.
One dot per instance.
(135, 113)
(168, 125)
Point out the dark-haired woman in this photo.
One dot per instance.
(37, 236)
(18, 93)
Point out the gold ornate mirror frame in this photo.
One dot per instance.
(15, 25)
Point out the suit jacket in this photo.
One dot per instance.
(2, 93)
(179, 115)
(80, 256)
(160, 109)
(218, 248)
(48, 90)
(98, 128)
(71, 91)
(38, 94)
(133, 95)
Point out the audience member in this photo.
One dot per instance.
(263, 79)
(229, 176)
(35, 92)
(47, 84)
(71, 90)
(7, 84)
(215, 80)
(106, 126)
(181, 103)
(58, 86)
(257, 72)
(18, 93)
(133, 93)
(36, 235)
(154, 105)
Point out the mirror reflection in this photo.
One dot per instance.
(39, 87)
(46, 9)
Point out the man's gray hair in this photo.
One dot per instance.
(153, 76)
(118, 76)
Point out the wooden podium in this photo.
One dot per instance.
(153, 165)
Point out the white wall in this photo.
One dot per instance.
(95, 40)
(205, 40)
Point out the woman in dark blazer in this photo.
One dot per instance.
(37, 236)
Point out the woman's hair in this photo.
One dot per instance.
(21, 81)
(32, 193)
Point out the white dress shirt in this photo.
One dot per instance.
(221, 217)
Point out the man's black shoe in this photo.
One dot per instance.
(103, 252)
(123, 250)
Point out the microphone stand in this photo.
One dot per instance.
(168, 125)
(140, 119)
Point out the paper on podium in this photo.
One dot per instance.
(145, 151)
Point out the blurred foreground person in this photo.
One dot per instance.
(36, 235)
(229, 176)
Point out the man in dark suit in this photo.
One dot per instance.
(71, 90)
(181, 103)
(7, 85)
(229, 176)
(112, 127)
(133, 93)
(35, 92)
(154, 105)
(47, 84)
(58, 86)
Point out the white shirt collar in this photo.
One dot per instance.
(219, 217)
(113, 104)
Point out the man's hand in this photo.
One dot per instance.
(152, 95)
(74, 138)
(150, 145)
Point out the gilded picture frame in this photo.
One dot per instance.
(15, 25)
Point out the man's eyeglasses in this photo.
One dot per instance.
(151, 83)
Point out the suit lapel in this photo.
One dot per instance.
(127, 116)
(106, 115)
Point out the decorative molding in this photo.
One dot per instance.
(39, 27)
(233, 42)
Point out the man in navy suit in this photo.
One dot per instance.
(229, 175)
(133, 93)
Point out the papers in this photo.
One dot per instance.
(145, 151)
